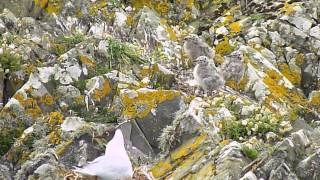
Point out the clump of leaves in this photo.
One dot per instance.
(81, 85)
(7, 137)
(258, 125)
(120, 54)
(251, 153)
(10, 61)
(64, 43)
(257, 17)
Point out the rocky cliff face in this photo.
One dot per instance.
(73, 71)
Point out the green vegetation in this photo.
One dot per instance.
(7, 138)
(10, 61)
(258, 125)
(64, 43)
(119, 56)
(251, 153)
(81, 85)
(120, 53)
(257, 17)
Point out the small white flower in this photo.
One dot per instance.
(244, 122)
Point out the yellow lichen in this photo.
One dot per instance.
(187, 148)
(288, 9)
(41, 3)
(178, 156)
(190, 4)
(98, 94)
(299, 59)
(49, 6)
(130, 20)
(315, 99)
(235, 27)
(138, 4)
(279, 92)
(55, 118)
(47, 100)
(162, 8)
(62, 148)
(19, 97)
(86, 60)
(224, 47)
(55, 137)
(218, 59)
(241, 86)
(228, 19)
(205, 172)
(172, 34)
(79, 99)
(30, 68)
(185, 166)
(293, 77)
(34, 112)
(141, 105)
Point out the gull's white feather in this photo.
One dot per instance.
(114, 165)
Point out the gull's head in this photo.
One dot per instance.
(117, 142)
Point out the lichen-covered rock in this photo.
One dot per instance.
(153, 109)
(73, 71)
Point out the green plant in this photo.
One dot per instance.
(81, 85)
(120, 54)
(251, 153)
(64, 43)
(7, 137)
(258, 125)
(10, 61)
(257, 17)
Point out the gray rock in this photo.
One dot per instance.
(9, 19)
(300, 139)
(5, 172)
(309, 168)
(249, 176)
(152, 125)
(230, 162)
(315, 32)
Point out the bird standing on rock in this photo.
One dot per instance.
(207, 76)
(114, 165)
(194, 47)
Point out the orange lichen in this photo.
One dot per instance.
(55, 118)
(18, 96)
(47, 100)
(86, 60)
(34, 112)
(98, 94)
